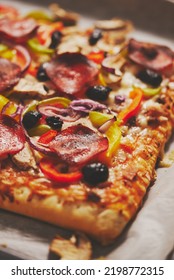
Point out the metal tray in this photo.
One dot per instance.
(23, 237)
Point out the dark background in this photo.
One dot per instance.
(152, 15)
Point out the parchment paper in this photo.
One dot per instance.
(149, 236)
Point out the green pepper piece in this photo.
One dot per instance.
(35, 46)
(150, 92)
(55, 100)
(38, 130)
(30, 107)
(98, 118)
(39, 15)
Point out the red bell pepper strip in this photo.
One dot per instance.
(32, 70)
(97, 57)
(46, 31)
(47, 137)
(48, 167)
(133, 108)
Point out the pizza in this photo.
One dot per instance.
(84, 118)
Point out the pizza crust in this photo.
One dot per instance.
(103, 225)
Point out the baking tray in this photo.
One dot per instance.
(23, 237)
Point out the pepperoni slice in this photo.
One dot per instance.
(78, 144)
(8, 11)
(154, 57)
(12, 137)
(17, 30)
(72, 73)
(9, 74)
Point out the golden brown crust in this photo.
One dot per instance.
(102, 224)
(100, 212)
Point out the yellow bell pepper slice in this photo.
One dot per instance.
(3, 101)
(8, 54)
(5, 52)
(3, 48)
(10, 109)
(114, 136)
(102, 80)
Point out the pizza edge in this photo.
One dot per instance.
(102, 224)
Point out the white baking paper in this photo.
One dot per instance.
(151, 235)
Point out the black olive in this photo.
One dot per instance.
(95, 173)
(95, 36)
(55, 122)
(98, 93)
(30, 119)
(41, 74)
(150, 77)
(55, 39)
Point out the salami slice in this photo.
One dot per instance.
(72, 73)
(8, 11)
(12, 138)
(17, 30)
(78, 144)
(9, 74)
(154, 57)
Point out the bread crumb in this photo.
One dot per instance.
(167, 160)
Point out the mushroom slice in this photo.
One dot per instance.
(113, 64)
(78, 247)
(114, 24)
(68, 17)
(32, 87)
(24, 159)
(114, 31)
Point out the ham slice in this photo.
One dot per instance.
(78, 144)
(12, 137)
(9, 74)
(155, 57)
(17, 30)
(72, 73)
